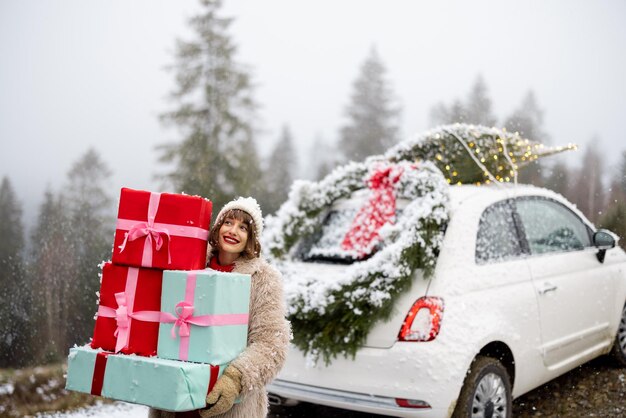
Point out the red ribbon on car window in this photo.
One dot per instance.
(380, 209)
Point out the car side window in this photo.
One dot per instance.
(550, 226)
(497, 238)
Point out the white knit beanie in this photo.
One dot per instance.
(248, 205)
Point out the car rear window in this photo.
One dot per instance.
(326, 243)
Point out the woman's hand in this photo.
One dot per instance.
(223, 395)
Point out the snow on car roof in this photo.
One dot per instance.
(487, 194)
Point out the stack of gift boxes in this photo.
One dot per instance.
(165, 326)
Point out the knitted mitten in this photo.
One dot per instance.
(223, 395)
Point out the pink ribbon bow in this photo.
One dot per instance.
(124, 311)
(123, 321)
(123, 316)
(184, 317)
(150, 231)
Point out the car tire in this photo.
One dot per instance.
(618, 352)
(486, 391)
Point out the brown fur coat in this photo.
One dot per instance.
(268, 337)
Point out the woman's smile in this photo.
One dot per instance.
(231, 240)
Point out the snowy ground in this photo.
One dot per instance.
(115, 410)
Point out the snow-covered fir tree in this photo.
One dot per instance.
(475, 109)
(527, 119)
(478, 107)
(91, 215)
(587, 189)
(71, 237)
(614, 218)
(13, 293)
(372, 115)
(321, 158)
(440, 114)
(51, 278)
(280, 171)
(559, 178)
(214, 112)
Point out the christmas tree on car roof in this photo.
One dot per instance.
(474, 154)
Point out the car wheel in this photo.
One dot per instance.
(486, 392)
(619, 346)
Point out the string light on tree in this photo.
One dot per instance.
(469, 154)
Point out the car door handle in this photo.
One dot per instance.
(547, 287)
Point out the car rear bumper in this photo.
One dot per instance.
(375, 378)
(350, 400)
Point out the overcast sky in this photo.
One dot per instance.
(76, 74)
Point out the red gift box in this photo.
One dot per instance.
(161, 230)
(128, 315)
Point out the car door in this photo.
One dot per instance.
(574, 293)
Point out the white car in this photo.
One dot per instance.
(525, 289)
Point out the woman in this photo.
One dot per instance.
(234, 246)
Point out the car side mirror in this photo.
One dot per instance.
(603, 240)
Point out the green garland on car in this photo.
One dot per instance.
(341, 324)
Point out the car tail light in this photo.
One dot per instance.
(423, 321)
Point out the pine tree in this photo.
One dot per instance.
(587, 191)
(51, 276)
(621, 174)
(559, 178)
(372, 115)
(615, 217)
(441, 115)
(527, 119)
(73, 235)
(280, 171)
(478, 107)
(214, 114)
(90, 213)
(321, 158)
(475, 110)
(615, 221)
(14, 293)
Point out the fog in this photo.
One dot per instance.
(79, 74)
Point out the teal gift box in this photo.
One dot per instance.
(164, 384)
(204, 315)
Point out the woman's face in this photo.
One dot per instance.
(233, 236)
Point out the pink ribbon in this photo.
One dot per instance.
(124, 312)
(150, 231)
(184, 317)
